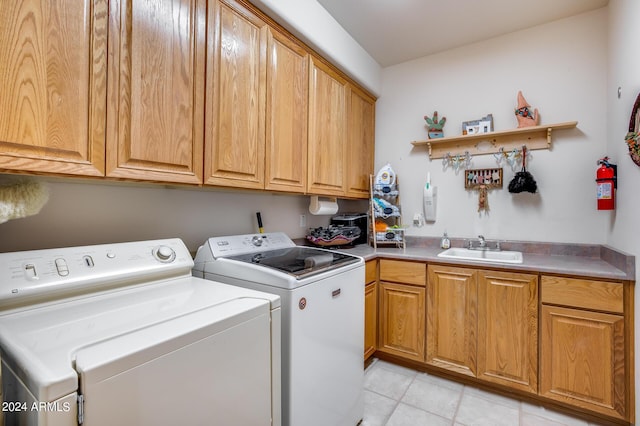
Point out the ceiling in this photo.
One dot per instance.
(395, 31)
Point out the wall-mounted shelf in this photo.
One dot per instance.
(535, 137)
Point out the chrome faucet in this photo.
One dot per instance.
(482, 244)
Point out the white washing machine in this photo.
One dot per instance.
(123, 334)
(322, 294)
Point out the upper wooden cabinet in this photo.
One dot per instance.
(53, 86)
(341, 135)
(156, 90)
(360, 141)
(236, 90)
(327, 131)
(192, 92)
(286, 114)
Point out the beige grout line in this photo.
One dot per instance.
(400, 399)
(455, 413)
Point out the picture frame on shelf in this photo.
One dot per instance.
(482, 125)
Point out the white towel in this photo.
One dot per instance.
(21, 197)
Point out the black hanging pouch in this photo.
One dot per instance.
(523, 181)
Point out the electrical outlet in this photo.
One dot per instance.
(303, 221)
(418, 220)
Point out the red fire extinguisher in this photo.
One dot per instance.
(607, 181)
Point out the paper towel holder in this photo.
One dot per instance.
(327, 206)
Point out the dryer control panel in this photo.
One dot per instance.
(28, 277)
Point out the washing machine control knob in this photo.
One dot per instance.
(256, 240)
(164, 254)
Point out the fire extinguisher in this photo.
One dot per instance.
(607, 181)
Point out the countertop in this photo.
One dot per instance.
(596, 261)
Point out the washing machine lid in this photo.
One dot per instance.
(272, 252)
(41, 345)
(299, 262)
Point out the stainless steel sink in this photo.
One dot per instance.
(483, 255)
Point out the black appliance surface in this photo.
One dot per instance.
(298, 261)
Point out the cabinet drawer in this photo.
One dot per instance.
(370, 272)
(579, 293)
(403, 272)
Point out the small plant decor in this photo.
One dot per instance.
(434, 126)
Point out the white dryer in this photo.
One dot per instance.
(322, 293)
(123, 334)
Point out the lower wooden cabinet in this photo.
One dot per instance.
(508, 329)
(402, 309)
(452, 314)
(402, 324)
(564, 339)
(370, 308)
(484, 324)
(582, 359)
(370, 319)
(583, 351)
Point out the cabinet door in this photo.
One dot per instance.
(452, 318)
(401, 320)
(235, 110)
(582, 359)
(327, 137)
(370, 319)
(53, 86)
(360, 142)
(508, 329)
(370, 271)
(287, 107)
(156, 90)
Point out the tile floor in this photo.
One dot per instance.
(399, 396)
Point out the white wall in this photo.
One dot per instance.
(310, 22)
(624, 72)
(561, 69)
(88, 213)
